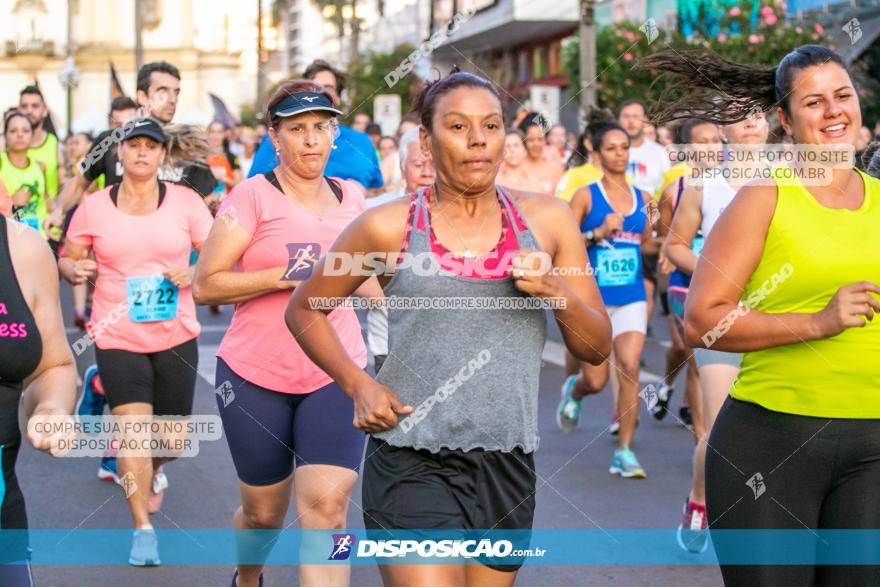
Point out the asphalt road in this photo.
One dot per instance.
(575, 488)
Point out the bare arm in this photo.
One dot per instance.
(684, 228)
(379, 229)
(51, 389)
(370, 289)
(650, 244)
(215, 282)
(730, 256)
(311, 325)
(583, 322)
(666, 211)
(47, 198)
(73, 192)
(580, 209)
(70, 196)
(75, 265)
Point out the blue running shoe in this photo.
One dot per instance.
(91, 403)
(569, 411)
(626, 464)
(107, 471)
(144, 549)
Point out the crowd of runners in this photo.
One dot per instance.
(763, 270)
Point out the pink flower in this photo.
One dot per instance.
(627, 82)
(629, 35)
(722, 37)
(770, 19)
(819, 28)
(798, 30)
(753, 39)
(627, 57)
(735, 11)
(766, 11)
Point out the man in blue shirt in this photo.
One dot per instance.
(353, 155)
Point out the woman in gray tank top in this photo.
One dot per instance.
(453, 411)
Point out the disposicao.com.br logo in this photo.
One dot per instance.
(344, 545)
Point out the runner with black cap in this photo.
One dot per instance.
(158, 89)
(148, 358)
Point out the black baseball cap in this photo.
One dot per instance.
(303, 102)
(144, 127)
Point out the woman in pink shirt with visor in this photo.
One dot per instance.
(288, 424)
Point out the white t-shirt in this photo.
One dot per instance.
(647, 164)
(386, 197)
(377, 319)
(717, 195)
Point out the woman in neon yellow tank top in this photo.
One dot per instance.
(788, 276)
(24, 177)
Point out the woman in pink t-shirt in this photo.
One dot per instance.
(284, 418)
(143, 320)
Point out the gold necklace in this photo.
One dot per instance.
(467, 251)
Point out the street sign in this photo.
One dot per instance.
(386, 113)
(545, 100)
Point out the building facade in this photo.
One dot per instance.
(212, 42)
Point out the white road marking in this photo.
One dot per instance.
(208, 362)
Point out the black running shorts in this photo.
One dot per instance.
(165, 379)
(409, 489)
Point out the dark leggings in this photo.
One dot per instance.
(16, 575)
(816, 473)
(165, 379)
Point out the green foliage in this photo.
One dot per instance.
(367, 79)
(619, 46)
(249, 115)
(867, 74)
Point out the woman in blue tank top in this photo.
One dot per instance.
(616, 231)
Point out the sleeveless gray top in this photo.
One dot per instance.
(471, 374)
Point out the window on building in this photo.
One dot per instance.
(522, 69)
(539, 56)
(443, 11)
(554, 58)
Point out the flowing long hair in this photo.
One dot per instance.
(703, 85)
(187, 144)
